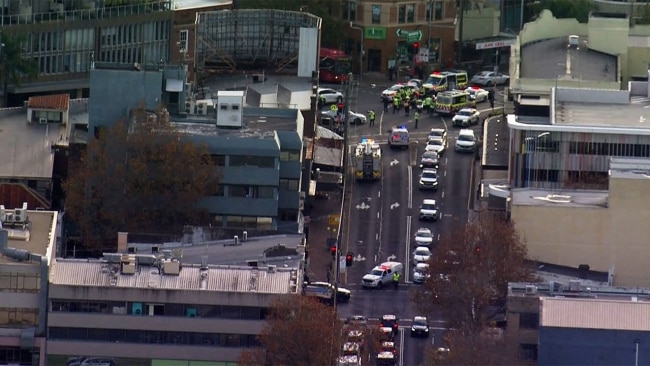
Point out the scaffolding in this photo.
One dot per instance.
(264, 39)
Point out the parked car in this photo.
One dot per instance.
(478, 94)
(331, 96)
(486, 78)
(355, 118)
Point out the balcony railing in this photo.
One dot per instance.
(87, 14)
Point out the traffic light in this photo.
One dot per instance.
(416, 48)
(349, 258)
(333, 250)
(477, 250)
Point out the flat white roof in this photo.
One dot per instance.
(516, 123)
(230, 93)
(631, 315)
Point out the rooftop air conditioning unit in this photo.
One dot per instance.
(42, 121)
(531, 289)
(189, 107)
(20, 215)
(574, 285)
(202, 108)
(128, 268)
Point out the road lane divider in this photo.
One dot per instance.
(407, 257)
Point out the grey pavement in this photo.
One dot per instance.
(320, 259)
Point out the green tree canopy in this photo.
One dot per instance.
(139, 175)
(328, 10)
(14, 67)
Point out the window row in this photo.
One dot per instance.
(609, 149)
(254, 161)
(405, 12)
(253, 222)
(224, 190)
(153, 337)
(151, 309)
(19, 282)
(290, 155)
(18, 316)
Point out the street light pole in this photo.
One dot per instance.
(361, 51)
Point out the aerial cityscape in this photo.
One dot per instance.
(324, 182)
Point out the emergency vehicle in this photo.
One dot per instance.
(367, 160)
(448, 103)
(398, 136)
(445, 80)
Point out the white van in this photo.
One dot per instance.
(382, 274)
(466, 141)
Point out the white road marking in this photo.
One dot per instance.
(401, 347)
(410, 185)
(377, 215)
(443, 194)
(438, 236)
(379, 194)
(407, 258)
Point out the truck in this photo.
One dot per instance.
(324, 292)
(367, 160)
(398, 136)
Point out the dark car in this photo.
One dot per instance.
(420, 327)
(429, 160)
(390, 321)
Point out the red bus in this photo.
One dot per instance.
(334, 66)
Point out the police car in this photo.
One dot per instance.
(389, 93)
(398, 137)
(381, 275)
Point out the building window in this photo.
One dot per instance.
(218, 160)
(220, 191)
(410, 13)
(19, 282)
(349, 10)
(182, 41)
(428, 15)
(290, 184)
(528, 320)
(376, 14)
(290, 155)
(401, 14)
(528, 351)
(437, 10)
(18, 316)
(252, 161)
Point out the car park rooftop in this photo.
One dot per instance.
(550, 58)
(541, 197)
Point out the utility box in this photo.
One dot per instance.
(230, 108)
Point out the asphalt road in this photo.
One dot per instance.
(384, 217)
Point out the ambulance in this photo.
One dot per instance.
(442, 81)
(448, 103)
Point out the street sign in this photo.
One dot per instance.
(401, 32)
(342, 265)
(414, 36)
(333, 220)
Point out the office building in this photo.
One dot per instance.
(27, 247)
(570, 321)
(155, 309)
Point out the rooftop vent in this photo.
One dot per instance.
(531, 289)
(272, 268)
(574, 286)
(171, 267)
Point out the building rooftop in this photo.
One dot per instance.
(496, 143)
(101, 273)
(27, 147)
(631, 168)
(55, 102)
(257, 122)
(551, 58)
(38, 239)
(635, 115)
(632, 315)
(568, 198)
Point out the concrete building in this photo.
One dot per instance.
(34, 140)
(569, 321)
(603, 230)
(27, 247)
(155, 310)
(67, 37)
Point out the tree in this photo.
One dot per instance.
(300, 331)
(469, 276)
(138, 175)
(562, 9)
(14, 67)
(328, 10)
(487, 346)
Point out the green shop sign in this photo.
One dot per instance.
(374, 33)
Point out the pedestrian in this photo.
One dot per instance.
(395, 279)
(328, 275)
(390, 73)
(321, 101)
(371, 117)
(386, 102)
(396, 104)
(407, 108)
(416, 118)
(428, 103)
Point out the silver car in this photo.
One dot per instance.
(486, 78)
(355, 118)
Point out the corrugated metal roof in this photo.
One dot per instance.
(595, 314)
(59, 102)
(219, 278)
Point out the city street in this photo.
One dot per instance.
(383, 216)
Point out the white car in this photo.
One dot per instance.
(382, 274)
(421, 272)
(423, 237)
(331, 96)
(486, 78)
(477, 94)
(421, 254)
(437, 145)
(437, 133)
(355, 118)
(390, 92)
(466, 141)
(466, 117)
(429, 210)
(428, 179)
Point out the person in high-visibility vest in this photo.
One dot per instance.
(334, 108)
(371, 117)
(416, 118)
(396, 103)
(428, 102)
(321, 101)
(395, 279)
